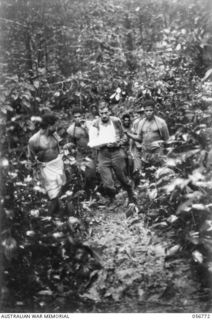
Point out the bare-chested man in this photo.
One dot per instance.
(152, 132)
(78, 135)
(44, 149)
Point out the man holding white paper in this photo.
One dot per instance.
(107, 137)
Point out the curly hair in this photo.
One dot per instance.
(48, 120)
(76, 110)
(149, 103)
(126, 116)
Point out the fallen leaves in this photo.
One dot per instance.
(130, 255)
(92, 294)
(197, 256)
(173, 250)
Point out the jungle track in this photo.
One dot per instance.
(136, 276)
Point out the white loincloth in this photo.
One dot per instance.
(53, 176)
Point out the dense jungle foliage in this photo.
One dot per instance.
(59, 54)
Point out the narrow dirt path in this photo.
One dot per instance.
(136, 275)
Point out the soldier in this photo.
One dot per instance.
(111, 156)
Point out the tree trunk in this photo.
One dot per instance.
(29, 61)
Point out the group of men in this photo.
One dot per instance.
(116, 149)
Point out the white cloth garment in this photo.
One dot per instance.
(104, 135)
(53, 176)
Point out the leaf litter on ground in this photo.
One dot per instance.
(135, 267)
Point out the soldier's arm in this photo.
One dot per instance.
(135, 136)
(136, 133)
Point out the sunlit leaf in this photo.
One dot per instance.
(178, 47)
(193, 237)
(46, 292)
(176, 183)
(30, 233)
(152, 194)
(172, 219)
(36, 84)
(34, 213)
(173, 250)
(197, 256)
(199, 206)
(92, 294)
(184, 207)
(58, 235)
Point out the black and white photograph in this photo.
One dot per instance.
(106, 157)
